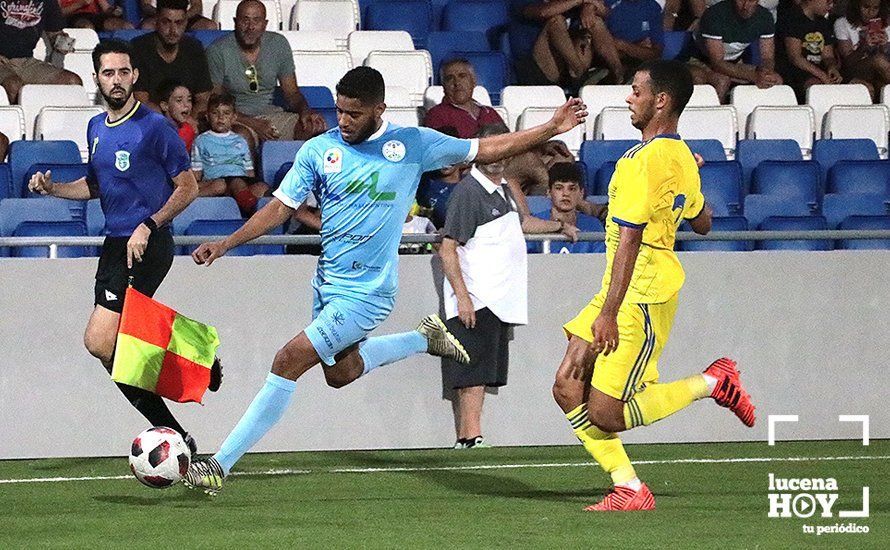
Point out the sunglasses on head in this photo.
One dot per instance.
(253, 79)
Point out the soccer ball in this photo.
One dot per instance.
(159, 457)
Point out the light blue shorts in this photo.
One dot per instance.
(341, 320)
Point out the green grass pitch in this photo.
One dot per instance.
(527, 497)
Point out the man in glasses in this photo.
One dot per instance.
(248, 64)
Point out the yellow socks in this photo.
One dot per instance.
(604, 447)
(658, 401)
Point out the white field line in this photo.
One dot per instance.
(397, 469)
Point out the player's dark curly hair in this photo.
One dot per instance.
(110, 46)
(672, 78)
(363, 83)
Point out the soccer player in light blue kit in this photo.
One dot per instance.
(364, 174)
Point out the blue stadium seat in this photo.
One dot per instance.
(279, 174)
(759, 207)
(710, 149)
(860, 176)
(5, 181)
(275, 153)
(60, 173)
(24, 154)
(413, 16)
(487, 17)
(209, 36)
(206, 208)
(227, 227)
(318, 97)
(595, 153)
(720, 223)
(16, 211)
(132, 11)
(794, 223)
(828, 151)
(330, 116)
(838, 207)
(603, 177)
(721, 183)
(128, 35)
(676, 45)
(70, 228)
(95, 218)
(443, 44)
(491, 71)
(786, 178)
(751, 152)
(538, 203)
(868, 223)
(598, 199)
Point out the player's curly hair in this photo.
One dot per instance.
(670, 77)
(363, 83)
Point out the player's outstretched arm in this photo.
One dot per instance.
(42, 183)
(272, 215)
(494, 148)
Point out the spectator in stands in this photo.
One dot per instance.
(567, 198)
(806, 42)
(726, 31)
(169, 54)
(175, 101)
(547, 49)
(637, 32)
(99, 15)
(22, 25)
(416, 225)
(435, 187)
(862, 42)
(248, 64)
(221, 159)
(194, 20)
(4, 146)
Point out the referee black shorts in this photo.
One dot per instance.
(112, 274)
(488, 345)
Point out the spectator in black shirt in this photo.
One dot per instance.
(806, 39)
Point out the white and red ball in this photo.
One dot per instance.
(159, 457)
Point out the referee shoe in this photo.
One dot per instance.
(440, 341)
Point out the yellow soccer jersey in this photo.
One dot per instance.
(655, 186)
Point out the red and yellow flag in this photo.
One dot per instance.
(163, 352)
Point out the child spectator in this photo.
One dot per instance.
(175, 101)
(570, 208)
(99, 15)
(221, 158)
(862, 41)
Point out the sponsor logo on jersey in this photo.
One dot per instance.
(333, 160)
(394, 150)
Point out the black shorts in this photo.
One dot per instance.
(112, 274)
(488, 346)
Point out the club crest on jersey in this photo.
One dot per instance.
(333, 160)
(394, 150)
(122, 160)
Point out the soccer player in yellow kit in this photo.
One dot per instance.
(622, 331)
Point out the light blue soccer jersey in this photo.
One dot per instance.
(365, 192)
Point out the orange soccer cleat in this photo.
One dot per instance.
(625, 499)
(729, 392)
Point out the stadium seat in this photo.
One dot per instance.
(794, 223)
(12, 122)
(34, 97)
(207, 36)
(410, 70)
(860, 176)
(837, 207)
(865, 223)
(491, 71)
(759, 207)
(794, 179)
(746, 98)
(320, 41)
(516, 98)
(95, 218)
(14, 212)
(67, 228)
(224, 14)
(275, 153)
(598, 98)
(361, 43)
(719, 223)
(128, 35)
(710, 123)
(321, 68)
(402, 116)
(538, 203)
(206, 208)
(413, 16)
(329, 114)
(66, 123)
(885, 95)
(4, 99)
(397, 96)
(676, 44)
(596, 153)
(710, 149)
(703, 95)
(339, 17)
(487, 17)
(279, 175)
(533, 116)
(613, 123)
(443, 44)
(603, 177)
(227, 227)
(828, 151)
(721, 184)
(858, 121)
(435, 94)
(85, 40)
(81, 64)
(822, 97)
(24, 154)
(4, 181)
(795, 123)
(751, 152)
(318, 97)
(65, 173)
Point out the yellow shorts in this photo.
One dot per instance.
(643, 330)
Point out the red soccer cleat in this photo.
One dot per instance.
(625, 499)
(729, 392)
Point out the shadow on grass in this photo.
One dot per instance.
(163, 498)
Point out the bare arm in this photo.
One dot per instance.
(792, 48)
(184, 192)
(546, 10)
(605, 327)
(308, 216)
(292, 94)
(42, 182)
(715, 51)
(768, 54)
(701, 224)
(451, 268)
(643, 50)
(598, 211)
(272, 215)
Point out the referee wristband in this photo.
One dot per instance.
(150, 224)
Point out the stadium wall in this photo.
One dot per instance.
(809, 330)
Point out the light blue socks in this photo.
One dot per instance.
(383, 350)
(264, 412)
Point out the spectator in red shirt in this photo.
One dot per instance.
(100, 15)
(175, 101)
